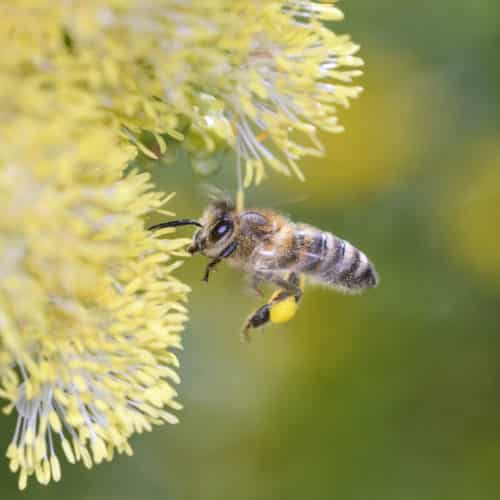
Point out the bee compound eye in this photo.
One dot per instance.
(221, 229)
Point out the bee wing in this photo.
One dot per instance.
(299, 249)
(214, 193)
(290, 202)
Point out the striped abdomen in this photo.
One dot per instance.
(331, 260)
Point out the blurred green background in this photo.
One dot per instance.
(392, 395)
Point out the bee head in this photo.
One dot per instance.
(216, 228)
(218, 223)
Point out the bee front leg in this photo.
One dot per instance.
(227, 252)
(209, 267)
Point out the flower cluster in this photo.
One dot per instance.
(259, 77)
(89, 307)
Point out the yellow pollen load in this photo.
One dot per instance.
(283, 311)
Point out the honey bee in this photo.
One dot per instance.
(272, 249)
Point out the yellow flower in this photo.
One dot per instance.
(260, 77)
(89, 308)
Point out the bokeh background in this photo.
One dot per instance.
(392, 395)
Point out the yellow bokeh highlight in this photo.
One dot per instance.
(472, 209)
(386, 132)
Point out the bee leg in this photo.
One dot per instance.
(257, 319)
(281, 307)
(209, 267)
(293, 284)
(229, 250)
(271, 277)
(296, 285)
(255, 280)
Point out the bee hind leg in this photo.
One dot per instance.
(281, 307)
(291, 282)
(256, 320)
(254, 282)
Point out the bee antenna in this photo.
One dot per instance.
(175, 223)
